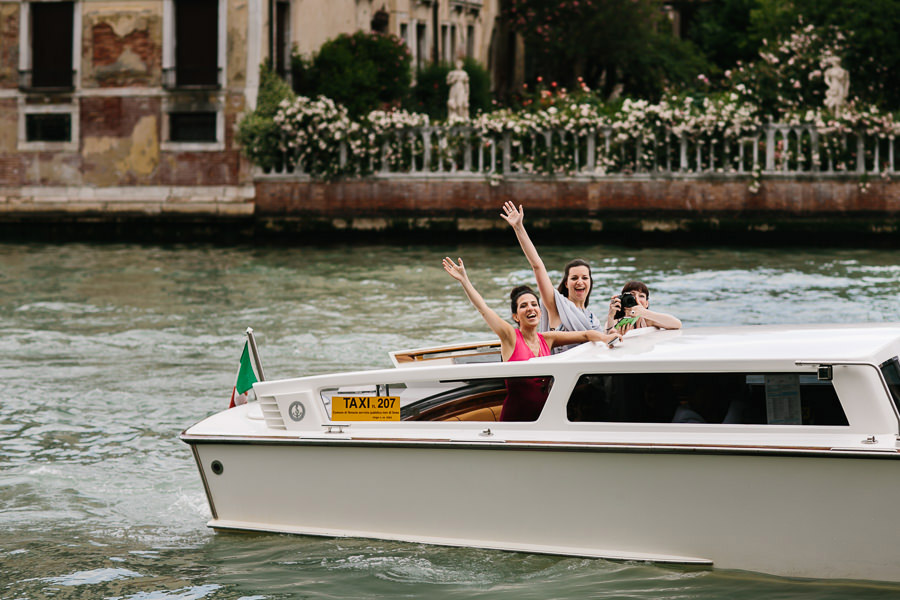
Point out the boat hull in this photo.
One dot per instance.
(793, 514)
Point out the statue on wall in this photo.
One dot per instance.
(838, 81)
(458, 100)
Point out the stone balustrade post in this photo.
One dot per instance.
(591, 160)
(860, 153)
(426, 153)
(770, 147)
(506, 151)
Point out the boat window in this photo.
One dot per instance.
(891, 371)
(748, 398)
(483, 400)
(458, 400)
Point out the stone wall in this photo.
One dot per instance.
(719, 209)
(289, 209)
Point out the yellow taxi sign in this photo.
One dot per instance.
(365, 408)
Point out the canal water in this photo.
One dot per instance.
(107, 352)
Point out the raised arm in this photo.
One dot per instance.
(661, 320)
(505, 331)
(564, 338)
(651, 317)
(516, 219)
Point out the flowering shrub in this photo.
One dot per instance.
(389, 138)
(257, 133)
(721, 133)
(358, 70)
(839, 135)
(789, 74)
(313, 131)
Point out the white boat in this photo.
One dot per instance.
(785, 458)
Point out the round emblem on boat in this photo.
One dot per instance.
(297, 411)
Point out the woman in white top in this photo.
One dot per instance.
(565, 307)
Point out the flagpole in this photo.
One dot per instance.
(255, 354)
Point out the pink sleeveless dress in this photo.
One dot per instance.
(525, 396)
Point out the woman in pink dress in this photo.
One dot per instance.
(522, 342)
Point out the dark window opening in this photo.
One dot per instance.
(282, 38)
(421, 45)
(380, 21)
(745, 398)
(192, 127)
(451, 58)
(196, 43)
(470, 41)
(51, 44)
(48, 127)
(891, 371)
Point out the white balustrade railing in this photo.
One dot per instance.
(460, 152)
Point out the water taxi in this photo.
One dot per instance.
(773, 449)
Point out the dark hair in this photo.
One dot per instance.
(639, 286)
(576, 263)
(516, 293)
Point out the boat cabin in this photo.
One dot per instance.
(748, 380)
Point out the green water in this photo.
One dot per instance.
(107, 352)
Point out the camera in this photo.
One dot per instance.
(625, 301)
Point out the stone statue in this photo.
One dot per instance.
(838, 81)
(458, 102)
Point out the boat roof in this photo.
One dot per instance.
(823, 343)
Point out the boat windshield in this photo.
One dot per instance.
(891, 371)
(745, 398)
(482, 399)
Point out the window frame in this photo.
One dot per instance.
(25, 47)
(70, 108)
(168, 47)
(685, 426)
(178, 105)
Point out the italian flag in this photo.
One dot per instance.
(245, 379)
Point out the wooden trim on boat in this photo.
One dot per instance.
(477, 349)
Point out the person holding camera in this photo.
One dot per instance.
(631, 310)
(525, 398)
(565, 307)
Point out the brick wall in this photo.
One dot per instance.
(585, 198)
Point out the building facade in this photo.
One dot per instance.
(130, 106)
(434, 30)
(126, 105)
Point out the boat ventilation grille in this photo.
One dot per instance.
(271, 413)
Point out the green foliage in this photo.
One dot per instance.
(872, 48)
(789, 74)
(722, 32)
(272, 90)
(480, 98)
(362, 71)
(257, 133)
(429, 95)
(729, 31)
(610, 44)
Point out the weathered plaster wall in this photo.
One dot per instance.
(237, 43)
(313, 22)
(9, 45)
(122, 44)
(12, 163)
(120, 140)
